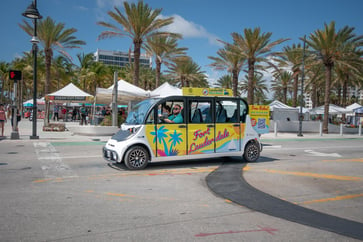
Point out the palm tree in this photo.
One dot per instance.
(62, 71)
(147, 77)
(260, 87)
(282, 83)
(186, 72)
(255, 47)
(230, 59)
(333, 48)
(225, 81)
(164, 48)
(53, 37)
(314, 79)
(349, 75)
(85, 63)
(291, 58)
(139, 23)
(99, 75)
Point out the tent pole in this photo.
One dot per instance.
(114, 100)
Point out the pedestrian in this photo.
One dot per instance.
(11, 117)
(64, 114)
(55, 112)
(84, 114)
(2, 119)
(74, 114)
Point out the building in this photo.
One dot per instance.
(118, 58)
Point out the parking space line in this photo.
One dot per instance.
(316, 175)
(338, 198)
(345, 160)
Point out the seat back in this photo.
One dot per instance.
(222, 116)
(197, 116)
(234, 117)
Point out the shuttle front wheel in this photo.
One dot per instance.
(136, 158)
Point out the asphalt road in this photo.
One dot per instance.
(60, 189)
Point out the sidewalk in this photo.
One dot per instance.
(26, 130)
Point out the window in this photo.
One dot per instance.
(200, 112)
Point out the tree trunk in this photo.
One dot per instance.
(251, 71)
(158, 71)
(294, 98)
(235, 82)
(48, 63)
(137, 50)
(345, 90)
(314, 96)
(285, 95)
(327, 98)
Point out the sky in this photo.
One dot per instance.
(201, 22)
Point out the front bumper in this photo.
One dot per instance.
(110, 155)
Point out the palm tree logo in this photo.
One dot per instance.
(160, 135)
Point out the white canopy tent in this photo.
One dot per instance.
(29, 103)
(333, 109)
(279, 105)
(166, 90)
(125, 92)
(353, 106)
(281, 111)
(70, 93)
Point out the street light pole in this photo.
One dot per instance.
(302, 90)
(32, 13)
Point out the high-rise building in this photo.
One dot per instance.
(118, 58)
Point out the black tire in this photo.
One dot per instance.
(252, 152)
(136, 158)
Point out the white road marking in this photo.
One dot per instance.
(272, 147)
(51, 163)
(70, 157)
(315, 153)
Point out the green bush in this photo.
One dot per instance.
(107, 121)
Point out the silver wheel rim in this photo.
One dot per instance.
(252, 152)
(137, 158)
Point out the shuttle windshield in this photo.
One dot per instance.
(139, 111)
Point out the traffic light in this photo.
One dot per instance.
(15, 75)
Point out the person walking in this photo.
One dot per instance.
(74, 114)
(2, 119)
(56, 112)
(14, 127)
(84, 114)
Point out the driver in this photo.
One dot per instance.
(176, 117)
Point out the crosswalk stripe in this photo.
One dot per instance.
(51, 163)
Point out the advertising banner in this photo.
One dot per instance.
(260, 118)
(207, 92)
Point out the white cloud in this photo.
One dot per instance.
(190, 30)
(109, 3)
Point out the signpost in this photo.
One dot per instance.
(15, 76)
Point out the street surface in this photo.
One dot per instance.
(59, 188)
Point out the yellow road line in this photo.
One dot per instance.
(118, 194)
(316, 175)
(345, 160)
(338, 198)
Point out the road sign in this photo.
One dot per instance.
(15, 75)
